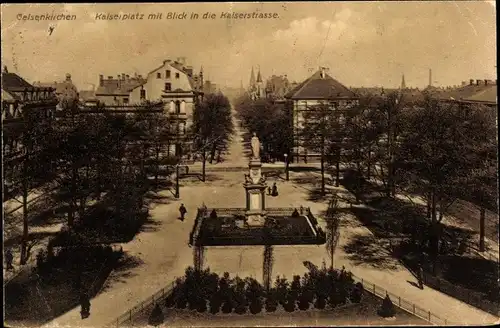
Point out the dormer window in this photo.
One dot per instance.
(167, 74)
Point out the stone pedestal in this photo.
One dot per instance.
(255, 187)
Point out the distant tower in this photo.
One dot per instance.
(252, 80)
(260, 85)
(403, 84)
(430, 77)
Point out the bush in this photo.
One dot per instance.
(255, 306)
(303, 301)
(156, 317)
(290, 304)
(281, 285)
(271, 301)
(357, 293)
(201, 305)
(387, 309)
(227, 306)
(215, 303)
(320, 303)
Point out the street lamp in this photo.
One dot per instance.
(286, 167)
(176, 180)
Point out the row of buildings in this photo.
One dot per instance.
(322, 88)
(173, 84)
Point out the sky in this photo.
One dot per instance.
(361, 43)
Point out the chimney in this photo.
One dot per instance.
(123, 76)
(478, 82)
(322, 72)
(101, 80)
(471, 82)
(127, 77)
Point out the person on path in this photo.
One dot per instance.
(269, 190)
(85, 304)
(182, 211)
(8, 259)
(275, 190)
(420, 277)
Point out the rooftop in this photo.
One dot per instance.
(320, 86)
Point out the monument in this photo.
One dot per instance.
(255, 187)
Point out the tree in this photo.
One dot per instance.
(438, 156)
(324, 132)
(156, 317)
(332, 226)
(212, 126)
(362, 135)
(270, 121)
(387, 120)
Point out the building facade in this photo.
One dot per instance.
(64, 90)
(319, 89)
(20, 99)
(116, 91)
(277, 87)
(175, 84)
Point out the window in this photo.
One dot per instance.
(125, 100)
(177, 107)
(177, 75)
(158, 75)
(143, 94)
(168, 86)
(167, 74)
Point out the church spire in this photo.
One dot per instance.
(252, 79)
(403, 84)
(259, 77)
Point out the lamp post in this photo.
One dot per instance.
(286, 167)
(176, 180)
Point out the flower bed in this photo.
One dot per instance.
(278, 230)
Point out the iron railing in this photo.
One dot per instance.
(401, 303)
(127, 318)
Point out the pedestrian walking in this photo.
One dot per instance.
(182, 211)
(269, 190)
(421, 277)
(8, 259)
(85, 305)
(275, 190)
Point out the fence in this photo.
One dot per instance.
(127, 317)
(401, 303)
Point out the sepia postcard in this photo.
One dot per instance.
(247, 164)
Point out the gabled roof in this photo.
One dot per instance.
(12, 81)
(318, 87)
(488, 95)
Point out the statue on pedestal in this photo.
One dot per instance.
(255, 146)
